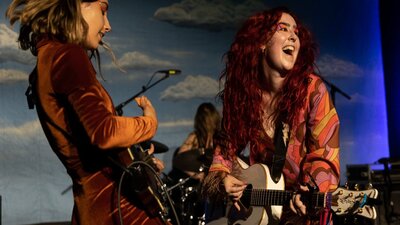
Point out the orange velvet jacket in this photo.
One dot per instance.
(81, 125)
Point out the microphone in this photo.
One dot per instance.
(170, 72)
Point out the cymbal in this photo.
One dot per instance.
(158, 146)
(192, 160)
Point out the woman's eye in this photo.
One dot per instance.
(282, 27)
(103, 7)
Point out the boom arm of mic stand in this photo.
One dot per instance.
(335, 89)
(119, 107)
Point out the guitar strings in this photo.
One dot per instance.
(165, 192)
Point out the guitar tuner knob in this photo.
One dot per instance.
(361, 194)
(340, 192)
(346, 185)
(357, 187)
(351, 194)
(339, 210)
(360, 210)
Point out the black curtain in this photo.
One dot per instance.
(390, 37)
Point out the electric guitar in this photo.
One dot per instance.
(262, 200)
(142, 181)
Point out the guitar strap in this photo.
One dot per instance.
(278, 159)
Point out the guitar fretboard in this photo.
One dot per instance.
(263, 197)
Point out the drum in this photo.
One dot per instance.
(185, 194)
(192, 206)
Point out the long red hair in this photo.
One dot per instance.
(243, 72)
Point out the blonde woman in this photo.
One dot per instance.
(75, 111)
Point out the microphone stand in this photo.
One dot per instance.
(119, 107)
(335, 89)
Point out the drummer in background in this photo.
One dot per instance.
(207, 121)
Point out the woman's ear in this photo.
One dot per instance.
(263, 48)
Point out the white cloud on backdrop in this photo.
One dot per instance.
(8, 38)
(22, 132)
(178, 54)
(209, 15)
(176, 123)
(140, 61)
(331, 66)
(9, 50)
(192, 87)
(358, 98)
(32, 178)
(8, 76)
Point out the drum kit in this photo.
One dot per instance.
(185, 189)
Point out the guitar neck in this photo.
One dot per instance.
(263, 197)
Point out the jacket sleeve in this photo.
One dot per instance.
(219, 163)
(322, 160)
(74, 77)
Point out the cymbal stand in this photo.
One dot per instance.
(181, 182)
(184, 193)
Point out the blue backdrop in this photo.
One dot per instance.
(191, 35)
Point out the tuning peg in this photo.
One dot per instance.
(360, 211)
(346, 185)
(339, 210)
(369, 186)
(357, 187)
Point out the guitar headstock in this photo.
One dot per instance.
(357, 203)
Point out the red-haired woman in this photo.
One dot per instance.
(277, 107)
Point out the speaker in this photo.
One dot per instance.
(358, 174)
(389, 211)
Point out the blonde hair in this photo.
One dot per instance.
(206, 121)
(60, 19)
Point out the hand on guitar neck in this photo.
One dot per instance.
(297, 205)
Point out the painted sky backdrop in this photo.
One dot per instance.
(190, 35)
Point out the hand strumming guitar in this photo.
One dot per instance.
(158, 163)
(234, 188)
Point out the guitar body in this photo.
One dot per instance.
(258, 176)
(142, 181)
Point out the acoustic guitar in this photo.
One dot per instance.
(262, 200)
